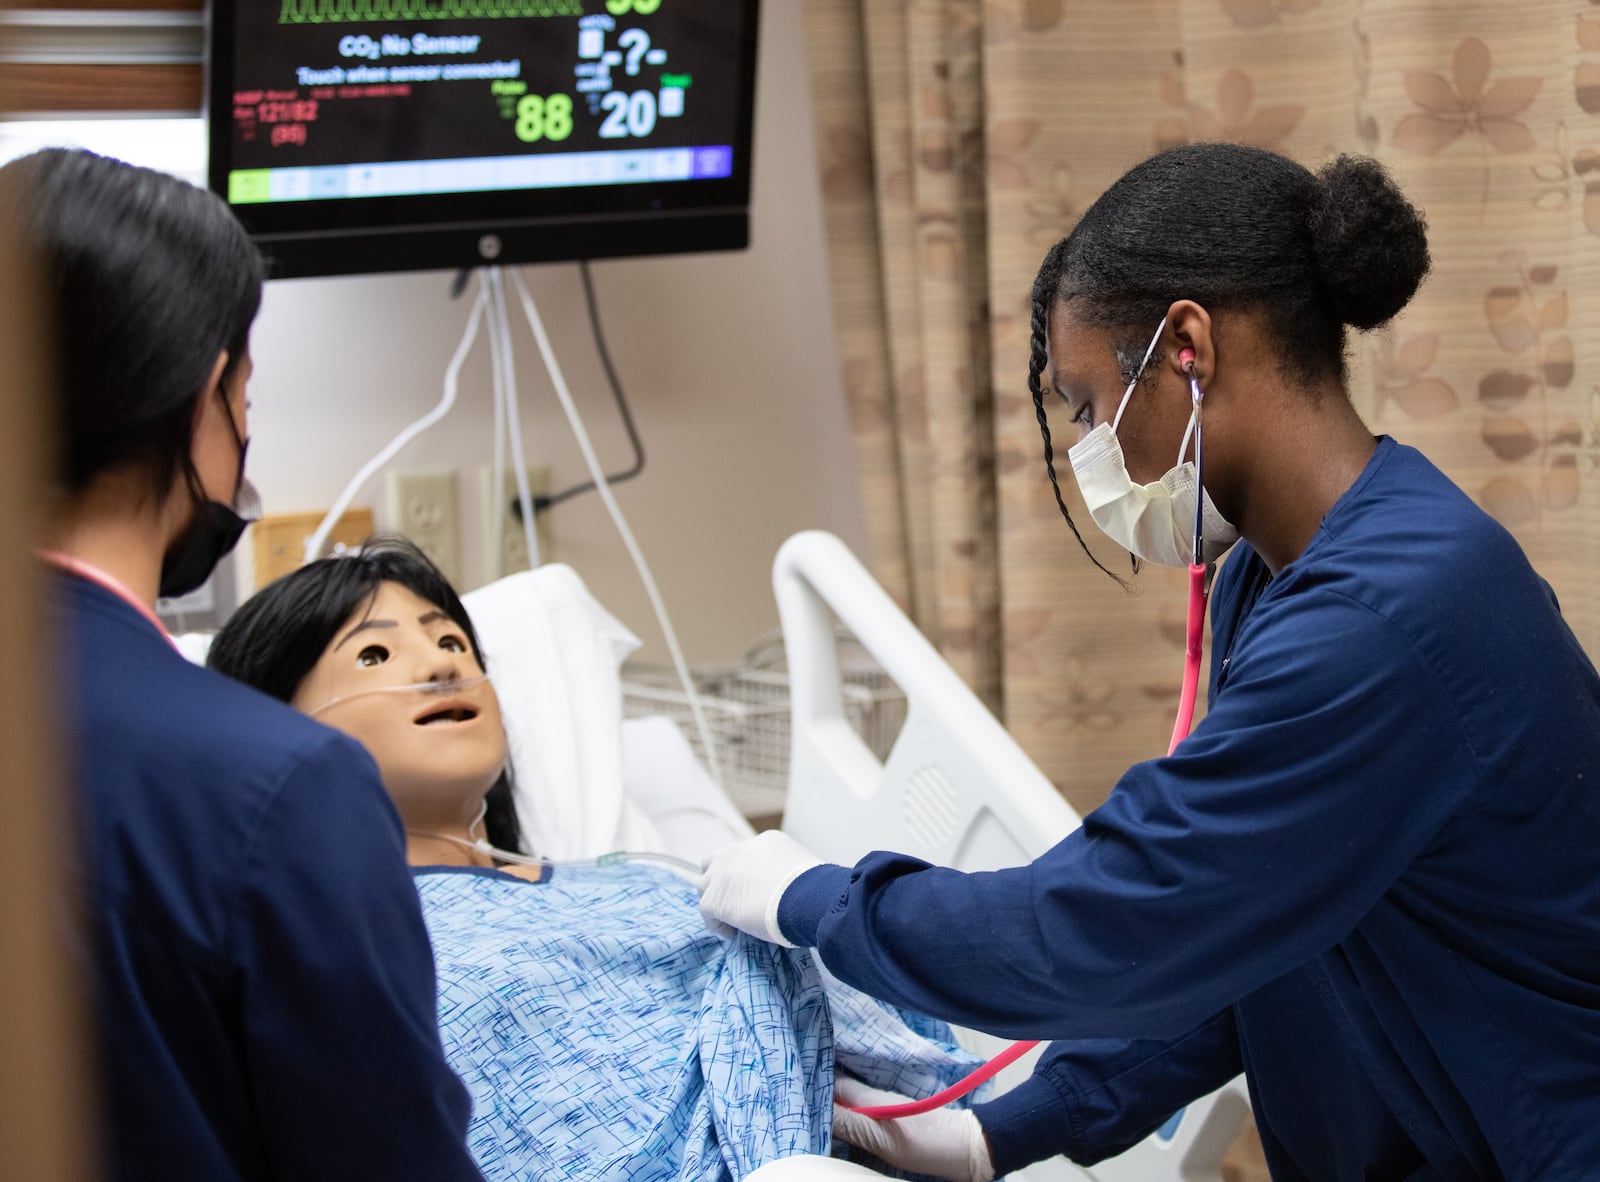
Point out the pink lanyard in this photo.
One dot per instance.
(93, 574)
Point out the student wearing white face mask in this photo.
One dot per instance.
(1370, 879)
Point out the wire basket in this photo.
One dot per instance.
(747, 713)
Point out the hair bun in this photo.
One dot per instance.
(1370, 243)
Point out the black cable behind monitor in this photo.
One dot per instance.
(541, 503)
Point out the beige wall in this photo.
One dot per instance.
(729, 362)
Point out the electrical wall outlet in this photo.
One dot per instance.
(278, 541)
(426, 507)
(508, 555)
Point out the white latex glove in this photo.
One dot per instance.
(742, 883)
(947, 1142)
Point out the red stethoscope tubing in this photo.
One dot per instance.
(955, 1091)
(1194, 632)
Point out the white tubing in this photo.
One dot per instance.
(519, 460)
(603, 487)
(319, 539)
(497, 455)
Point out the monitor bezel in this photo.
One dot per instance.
(358, 235)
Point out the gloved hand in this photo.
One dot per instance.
(742, 883)
(947, 1142)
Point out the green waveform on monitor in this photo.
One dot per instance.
(335, 12)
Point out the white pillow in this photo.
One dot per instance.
(555, 656)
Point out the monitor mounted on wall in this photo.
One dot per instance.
(354, 136)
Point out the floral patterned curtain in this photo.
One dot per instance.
(959, 140)
(900, 103)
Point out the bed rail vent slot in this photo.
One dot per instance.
(931, 808)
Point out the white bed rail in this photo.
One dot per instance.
(956, 789)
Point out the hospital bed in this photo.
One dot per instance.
(954, 789)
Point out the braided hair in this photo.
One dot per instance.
(1045, 285)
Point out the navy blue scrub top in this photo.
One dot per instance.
(262, 979)
(1370, 879)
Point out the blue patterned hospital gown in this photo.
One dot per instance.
(605, 1034)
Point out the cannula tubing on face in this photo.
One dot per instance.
(448, 687)
(440, 688)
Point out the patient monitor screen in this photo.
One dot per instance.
(339, 99)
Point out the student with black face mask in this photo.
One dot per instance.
(263, 983)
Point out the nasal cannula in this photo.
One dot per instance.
(437, 689)
(1199, 586)
(447, 688)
